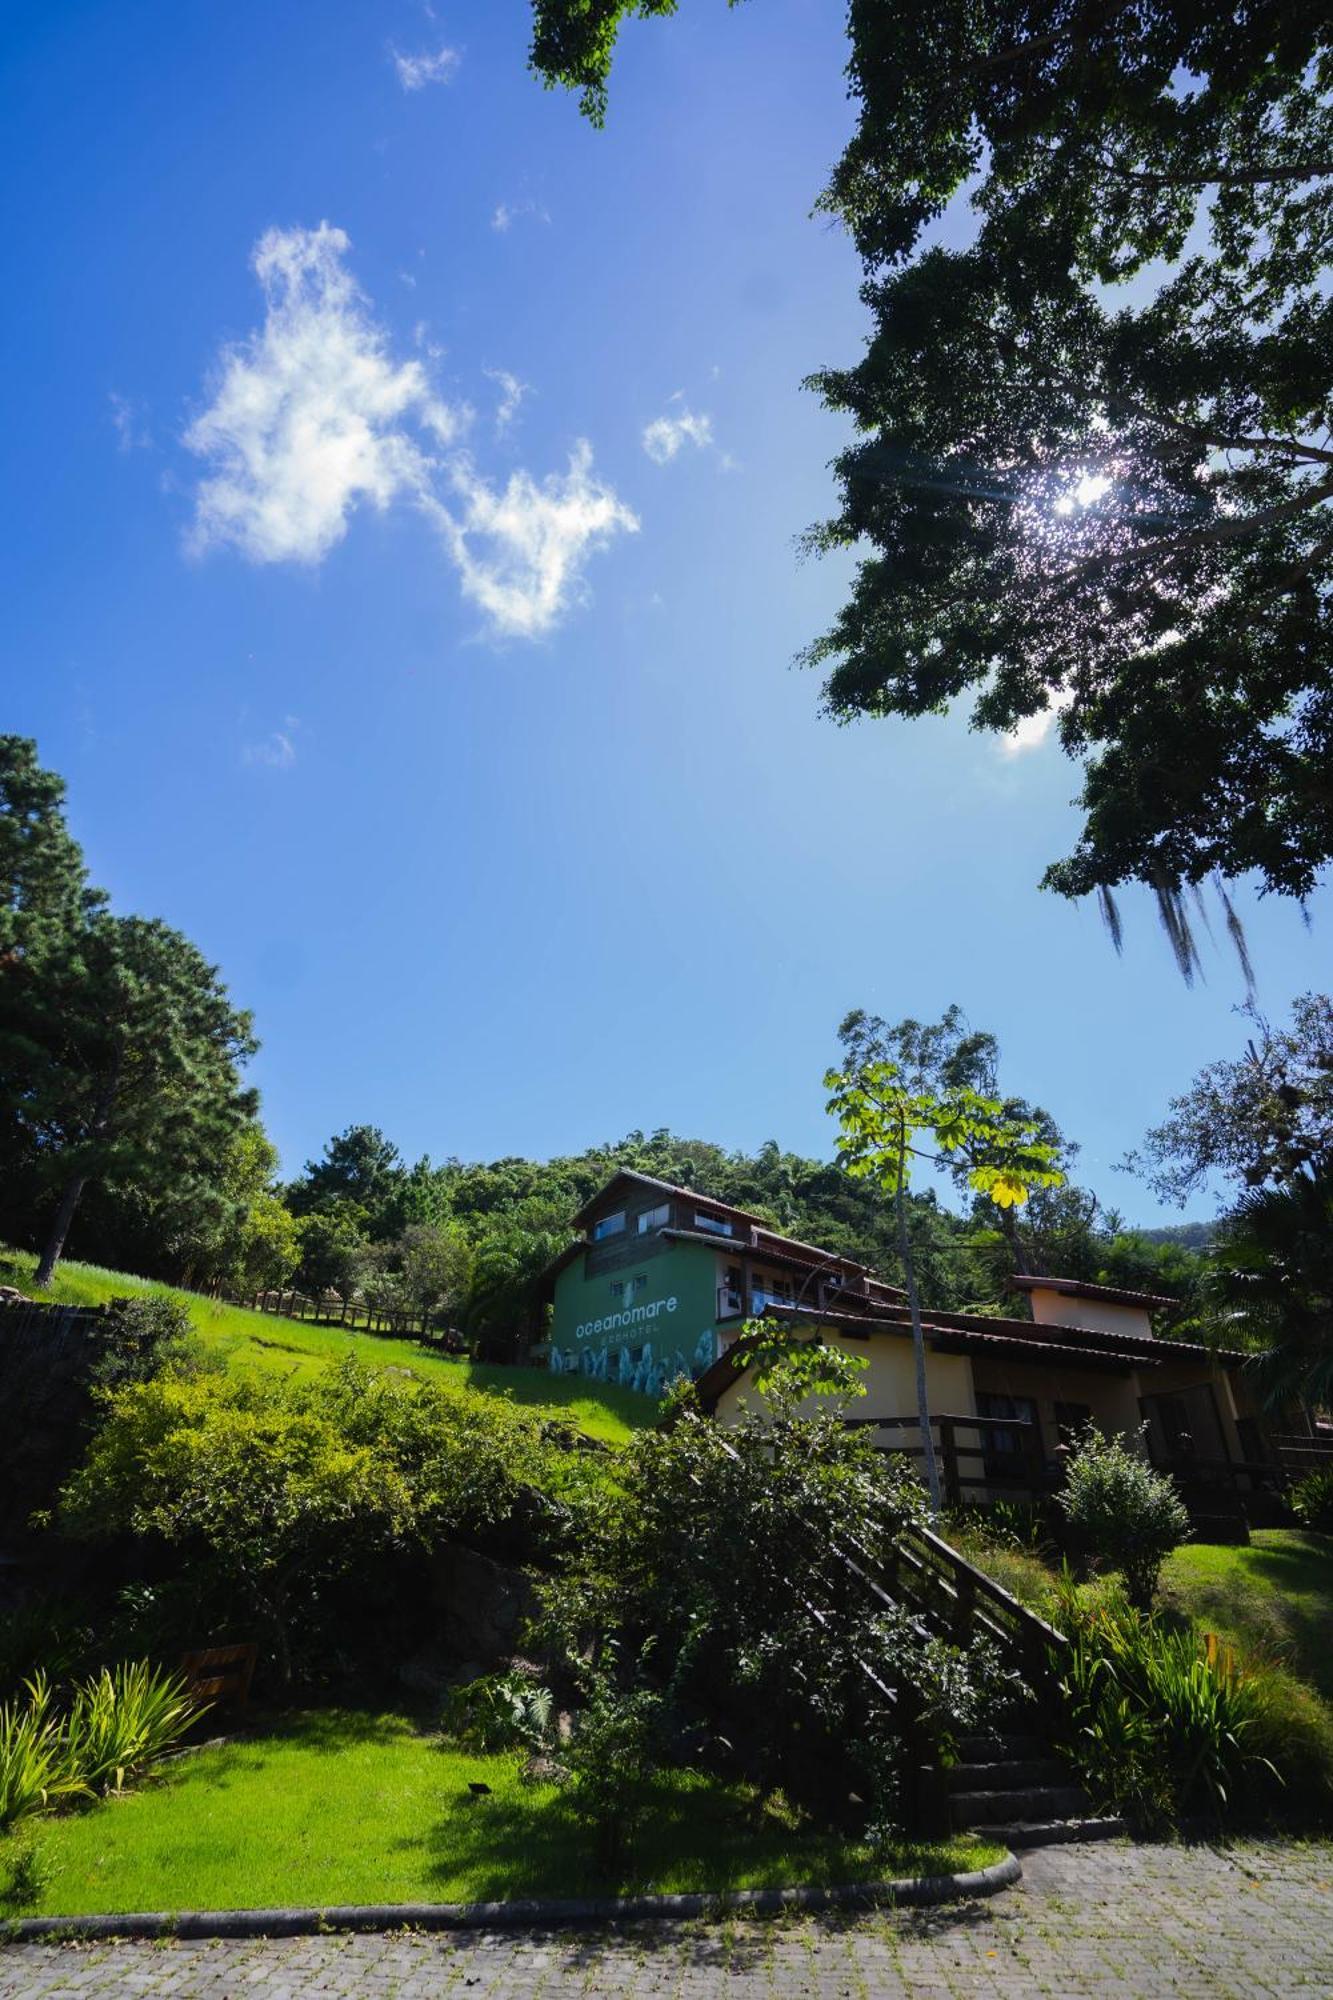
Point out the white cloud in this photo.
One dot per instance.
(307, 417)
(312, 416)
(277, 751)
(1032, 731)
(415, 72)
(512, 392)
(665, 436)
(507, 213)
(132, 433)
(520, 550)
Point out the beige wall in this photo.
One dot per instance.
(890, 1380)
(1112, 1399)
(1063, 1309)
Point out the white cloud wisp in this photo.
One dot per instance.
(664, 437)
(520, 550)
(415, 72)
(312, 416)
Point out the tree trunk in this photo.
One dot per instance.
(55, 1242)
(918, 1341)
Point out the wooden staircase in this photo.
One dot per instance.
(1008, 1787)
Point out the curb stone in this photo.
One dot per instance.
(536, 1913)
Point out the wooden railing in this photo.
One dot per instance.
(357, 1317)
(967, 1467)
(962, 1603)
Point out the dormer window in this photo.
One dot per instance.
(609, 1225)
(714, 1224)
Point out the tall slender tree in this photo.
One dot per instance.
(890, 1116)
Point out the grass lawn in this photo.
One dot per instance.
(287, 1346)
(339, 1806)
(1274, 1597)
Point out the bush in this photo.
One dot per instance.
(1127, 1516)
(722, 1559)
(35, 1770)
(141, 1335)
(121, 1720)
(116, 1725)
(613, 1756)
(499, 1712)
(1311, 1500)
(280, 1489)
(1159, 1724)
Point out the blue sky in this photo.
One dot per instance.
(410, 602)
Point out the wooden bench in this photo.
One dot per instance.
(221, 1673)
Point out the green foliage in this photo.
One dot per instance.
(1272, 1277)
(898, 1084)
(26, 1873)
(505, 1711)
(122, 1720)
(787, 1366)
(334, 1252)
(1155, 1725)
(286, 1486)
(1127, 1515)
(1311, 1500)
(1265, 1116)
(613, 1757)
(113, 1728)
(141, 1335)
(717, 1565)
(35, 1769)
(120, 1054)
(573, 42)
(1067, 496)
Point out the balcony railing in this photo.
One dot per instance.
(731, 1301)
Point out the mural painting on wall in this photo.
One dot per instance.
(651, 1374)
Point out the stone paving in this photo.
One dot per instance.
(1238, 1924)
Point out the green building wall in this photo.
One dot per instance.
(669, 1329)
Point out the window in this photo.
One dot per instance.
(610, 1225)
(1005, 1453)
(714, 1224)
(1071, 1420)
(654, 1218)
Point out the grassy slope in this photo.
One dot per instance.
(262, 1340)
(1274, 1597)
(337, 1806)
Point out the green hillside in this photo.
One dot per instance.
(263, 1340)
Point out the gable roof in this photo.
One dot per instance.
(774, 1246)
(1075, 1288)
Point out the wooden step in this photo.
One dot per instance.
(1001, 1748)
(1055, 1832)
(1038, 1803)
(1015, 1774)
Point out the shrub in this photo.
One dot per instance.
(1158, 1723)
(116, 1725)
(612, 1758)
(1127, 1515)
(287, 1487)
(723, 1559)
(499, 1712)
(141, 1335)
(35, 1771)
(121, 1720)
(1312, 1500)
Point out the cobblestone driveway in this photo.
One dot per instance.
(1140, 1921)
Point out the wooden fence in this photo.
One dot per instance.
(353, 1314)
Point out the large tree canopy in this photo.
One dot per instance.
(1094, 456)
